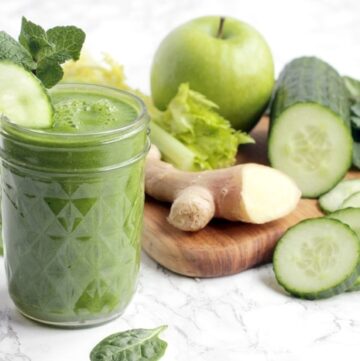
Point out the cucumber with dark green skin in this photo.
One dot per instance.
(351, 217)
(317, 258)
(310, 137)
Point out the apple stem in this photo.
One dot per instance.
(221, 28)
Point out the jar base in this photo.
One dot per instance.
(72, 324)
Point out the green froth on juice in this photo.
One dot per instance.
(79, 112)
(73, 207)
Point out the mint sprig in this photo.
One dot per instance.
(11, 50)
(42, 51)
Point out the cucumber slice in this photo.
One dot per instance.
(317, 258)
(23, 98)
(352, 201)
(333, 200)
(310, 137)
(351, 217)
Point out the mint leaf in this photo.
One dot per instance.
(49, 72)
(64, 43)
(43, 51)
(67, 41)
(33, 38)
(11, 50)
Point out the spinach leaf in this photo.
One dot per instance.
(132, 345)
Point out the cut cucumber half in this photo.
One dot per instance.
(317, 258)
(23, 98)
(310, 137)
(351, 201)
(351, 217)
(333, 200)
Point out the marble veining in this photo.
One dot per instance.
(242, 317)
(10, 345)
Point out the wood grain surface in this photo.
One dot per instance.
(223, 247)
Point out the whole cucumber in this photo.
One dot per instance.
(310, 137)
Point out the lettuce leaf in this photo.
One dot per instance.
(193, 121)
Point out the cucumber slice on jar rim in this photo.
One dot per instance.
(317, 258)
(23, 98)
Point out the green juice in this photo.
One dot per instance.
(73, 207)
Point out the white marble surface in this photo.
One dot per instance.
(243, 317)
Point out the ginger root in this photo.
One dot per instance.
(249, 192)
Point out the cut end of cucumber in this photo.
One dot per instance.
(305, 142)
(317, 258)
(23, 98)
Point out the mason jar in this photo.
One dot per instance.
(72, 214)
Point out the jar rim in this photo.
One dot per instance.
(129, 127)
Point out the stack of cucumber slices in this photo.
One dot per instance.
(320, 257)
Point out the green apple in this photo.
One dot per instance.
(223, 58)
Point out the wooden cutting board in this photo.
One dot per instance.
(223, 247)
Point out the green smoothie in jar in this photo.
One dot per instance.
(73, 206)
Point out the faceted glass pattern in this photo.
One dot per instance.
(72, 243)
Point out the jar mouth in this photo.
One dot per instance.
(138, 122)
(62, 152)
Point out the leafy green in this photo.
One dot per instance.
(355, 109)
(51, 48)
(49, 72)
(355, 130)
(11, 50)
(353, 87)
(43, 51)
(132, 345)
(355, 122)
(191, 121)
(33, 38)
(66, 42)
